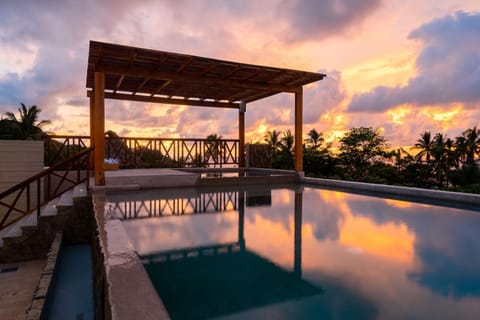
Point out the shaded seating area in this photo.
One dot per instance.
(153, 76)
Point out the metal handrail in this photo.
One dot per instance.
(41, 188)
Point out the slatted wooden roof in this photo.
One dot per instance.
(138, 74)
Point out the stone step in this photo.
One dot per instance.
(48, 210)
(80, 191)
(66, 199)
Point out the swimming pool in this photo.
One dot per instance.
(298, 252)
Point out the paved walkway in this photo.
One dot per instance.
(17, 288)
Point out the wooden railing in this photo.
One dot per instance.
(149, 152)
(30, 195)
(210, 202)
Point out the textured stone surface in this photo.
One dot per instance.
(123, 289)
(17, 287)
(35, 309)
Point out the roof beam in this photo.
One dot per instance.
(119, 83)
(165, 75)
(166, 83)
(183, 102)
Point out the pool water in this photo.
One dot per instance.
(304, 253)
(72, 296)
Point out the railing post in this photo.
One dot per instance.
(38, 197)
(28, 197)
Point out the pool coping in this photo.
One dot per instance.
(386, 190)
(129, 292)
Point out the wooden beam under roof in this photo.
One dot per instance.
(166, 83)
(119, 83)
(165, 75)
(183, 102)
(140, 86)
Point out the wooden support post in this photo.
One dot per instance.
(241, 134)
(99, 128)
(92, 133)
(298, 129)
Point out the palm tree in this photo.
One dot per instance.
(472, 144)
(272, 138)
(461, 148)
(315, 139)
(28, 123)
(287, 141)
(445, 157)
(425, 144)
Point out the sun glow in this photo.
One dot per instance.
(445, 116)
(398, 114)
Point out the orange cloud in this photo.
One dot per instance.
(391, 241)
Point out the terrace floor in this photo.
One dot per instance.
(147, 178)
(19, 281)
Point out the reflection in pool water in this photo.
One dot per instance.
(342, 256)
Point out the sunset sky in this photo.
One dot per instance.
(400, 66)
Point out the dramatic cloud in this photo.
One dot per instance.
(448, 68)
(44, 48)
(323, 96)
(314, 20)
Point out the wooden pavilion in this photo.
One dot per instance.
(138, 74)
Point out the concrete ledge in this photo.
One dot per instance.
(126, 187)
(417, 193)
(151, 178)
(126, 289)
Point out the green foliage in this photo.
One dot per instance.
(364, 156)
(359, 149)
(315, 140)
(319, 163)
(465, 176)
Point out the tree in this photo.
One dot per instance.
(425, 144)
(272, 138)
(461, 148)
(444, 156)
(27, 126)
(214, 149)
(314, 140)
(472, 144)
(287, 141)
(359, 149)
(466, 146)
